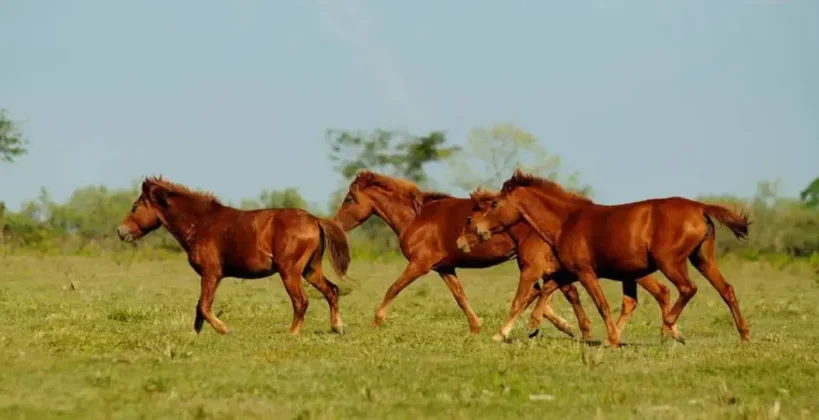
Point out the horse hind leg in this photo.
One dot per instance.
(292, 283)
(677, 272)
(629, 304)
(703, 259)
(454, 285)
(315, 276)
(570, 292)
(410, 274)
(659, 291)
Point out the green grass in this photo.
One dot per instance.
(104, 338)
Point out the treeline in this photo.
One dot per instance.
(86, 222)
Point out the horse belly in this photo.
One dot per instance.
(252, 264)
(624, 263)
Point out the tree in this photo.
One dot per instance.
(286, 198)
(810, 195)
(494, 152)
(12, 143)
(391, 152)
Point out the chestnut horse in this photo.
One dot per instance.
(620, 242)
(427, 225)
(222, 241)
(660, 292)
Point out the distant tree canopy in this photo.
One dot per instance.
(89, 217)
(280, 199)
(494, 152)
(390, 152)
(810, 195)
(12, 143)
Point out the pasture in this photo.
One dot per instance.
(93, 337)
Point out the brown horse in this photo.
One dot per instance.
(620, 242)
(660, 292)
(222, 241)
(428, 224)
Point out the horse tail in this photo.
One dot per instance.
(737, 222)
(334, 238)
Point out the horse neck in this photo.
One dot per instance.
(185, 217)
(546, 212)
(397, 212)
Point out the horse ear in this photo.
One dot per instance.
(160, 197)
(155, 194)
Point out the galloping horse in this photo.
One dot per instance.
(222, 241)
(621, 242)
(427, 225)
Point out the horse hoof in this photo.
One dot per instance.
(680, 339)
(338, 330)
(498, 337)
(534, 333)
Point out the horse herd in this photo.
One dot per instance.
(554, 235)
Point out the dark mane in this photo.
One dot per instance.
(428, 197)
(522, 179)
(178, 189)
(401, 187)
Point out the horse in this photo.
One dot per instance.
(426, 224)
(660, 292)
(222, 241)
(621, 242)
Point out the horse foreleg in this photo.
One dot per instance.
(208, 286)
(526, 284)
(543, 309)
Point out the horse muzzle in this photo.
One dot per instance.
(125, 234)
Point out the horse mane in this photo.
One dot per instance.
(523, 179)
(428, 197)
(481, 194)
(178, 189)
(398, 186)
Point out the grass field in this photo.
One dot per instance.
(118, 344)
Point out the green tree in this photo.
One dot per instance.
(391, 152)
(810, 195)
(286, 198)
(12, 143)
(494, 152)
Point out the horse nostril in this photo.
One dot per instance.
(469, 220)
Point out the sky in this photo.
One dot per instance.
(642, 98)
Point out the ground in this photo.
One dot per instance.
(86, 337)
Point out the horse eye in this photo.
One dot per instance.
(469, 220)
(494, 204)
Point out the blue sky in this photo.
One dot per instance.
(642, 98)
